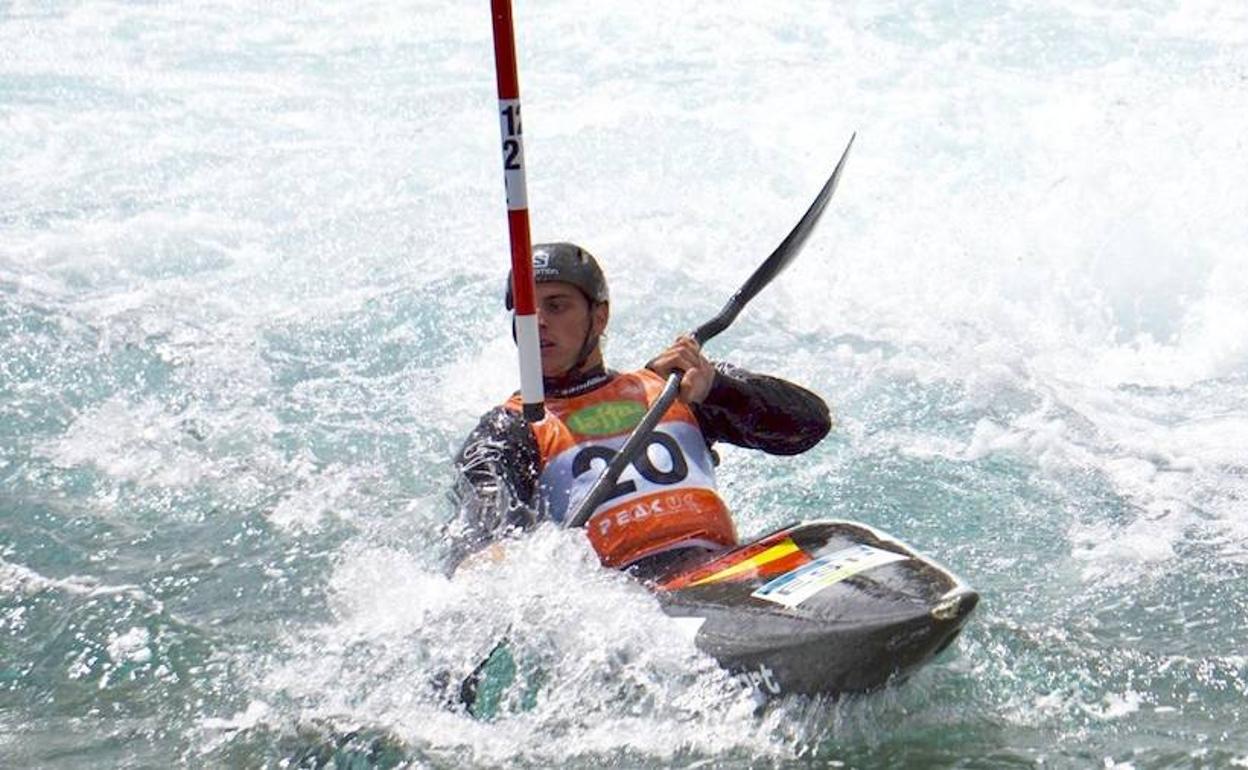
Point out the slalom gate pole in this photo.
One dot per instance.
(522, 287)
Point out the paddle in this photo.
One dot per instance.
(774, 264)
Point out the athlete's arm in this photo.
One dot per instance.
(761, 412)
(495, 487)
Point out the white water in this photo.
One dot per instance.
(250, 272)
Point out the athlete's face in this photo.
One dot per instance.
(564, 318)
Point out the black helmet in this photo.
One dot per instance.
(568, 263)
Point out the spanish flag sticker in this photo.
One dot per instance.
(776, 559)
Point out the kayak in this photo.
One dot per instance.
(819, 608)
(823, 607)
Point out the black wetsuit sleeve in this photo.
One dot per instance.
(495, 488)
(761, 412)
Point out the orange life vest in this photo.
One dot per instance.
(665, 499)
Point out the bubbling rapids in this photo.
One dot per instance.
(249, 282)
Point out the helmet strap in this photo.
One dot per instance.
(589, 345)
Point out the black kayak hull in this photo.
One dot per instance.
(819, 608)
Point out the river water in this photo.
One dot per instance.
(251, 259)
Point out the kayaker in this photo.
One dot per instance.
(513, 473)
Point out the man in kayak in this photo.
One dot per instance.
(513, 473)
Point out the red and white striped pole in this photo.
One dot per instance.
(522, 289)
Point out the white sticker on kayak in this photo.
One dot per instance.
(793, 588)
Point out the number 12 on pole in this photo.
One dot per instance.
(513, 154)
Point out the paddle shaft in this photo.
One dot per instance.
(766, 272)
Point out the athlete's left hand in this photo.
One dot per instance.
(685, 354)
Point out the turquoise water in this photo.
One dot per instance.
(250, 280)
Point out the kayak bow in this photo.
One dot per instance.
(821, 607)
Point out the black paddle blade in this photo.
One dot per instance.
(779, 259)
(771, 267)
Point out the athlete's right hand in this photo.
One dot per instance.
(685, 354)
